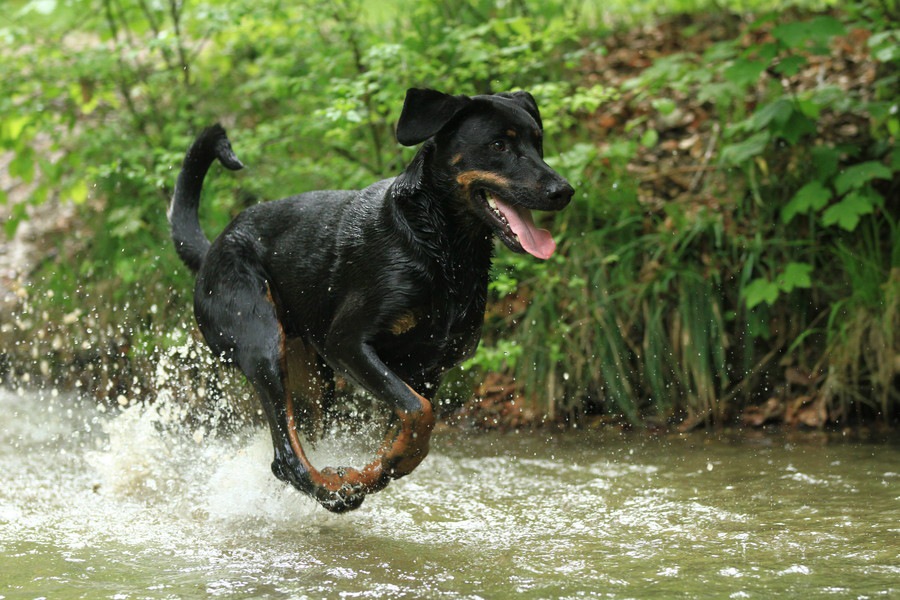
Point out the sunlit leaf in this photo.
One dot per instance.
(78, 192)
(759, 291)
(44, 7)
(795, 275)
(11, 127)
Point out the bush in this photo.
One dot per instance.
(775, 255)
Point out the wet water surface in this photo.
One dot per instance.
(120, 504)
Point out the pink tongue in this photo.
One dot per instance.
(537, 242)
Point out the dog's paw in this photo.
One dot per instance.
(349, 496)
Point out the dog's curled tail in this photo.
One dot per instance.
(190, 241)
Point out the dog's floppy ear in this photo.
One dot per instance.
(425, 112)
(526, 101)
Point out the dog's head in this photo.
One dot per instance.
(491, 148)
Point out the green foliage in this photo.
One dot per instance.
(682, 336)
(651, 310)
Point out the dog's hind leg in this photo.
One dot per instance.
(239, 320)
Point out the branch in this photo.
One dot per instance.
(175, 10)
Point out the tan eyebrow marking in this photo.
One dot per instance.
(467, 178)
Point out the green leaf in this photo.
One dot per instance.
(858, 175)
(23, 165)
(825, 159)
(790, 65)
(740, 153)
(795, 275)
(797, 126)
(778, 112)
(743, 72)
(811, 197)
(11, 128)
(885, 45)
(650, 138)
(665, 106)
(44, 7)
(847, 212)
(17, 215)
(759, 291)
(78, 192)
(124, 221)
(800, 34)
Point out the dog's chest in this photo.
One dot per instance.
(436, 334)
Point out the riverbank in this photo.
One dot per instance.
(729, 259)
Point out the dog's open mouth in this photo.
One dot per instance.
(515, 226)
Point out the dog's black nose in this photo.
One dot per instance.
(560, 192)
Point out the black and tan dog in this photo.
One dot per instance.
(385, 286)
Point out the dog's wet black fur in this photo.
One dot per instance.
(385, 286)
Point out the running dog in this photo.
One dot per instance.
(385, 286)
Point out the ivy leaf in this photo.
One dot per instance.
(811, 197)
(847, 212)
(858, 175)
(760, 290)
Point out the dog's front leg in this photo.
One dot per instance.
(407, 445)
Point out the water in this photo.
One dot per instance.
(123, 504)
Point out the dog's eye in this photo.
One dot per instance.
(498, 146)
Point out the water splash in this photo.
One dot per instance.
(151, 500)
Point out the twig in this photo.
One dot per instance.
(669, 172)
(698, 176)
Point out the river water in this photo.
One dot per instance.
(125, 504)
